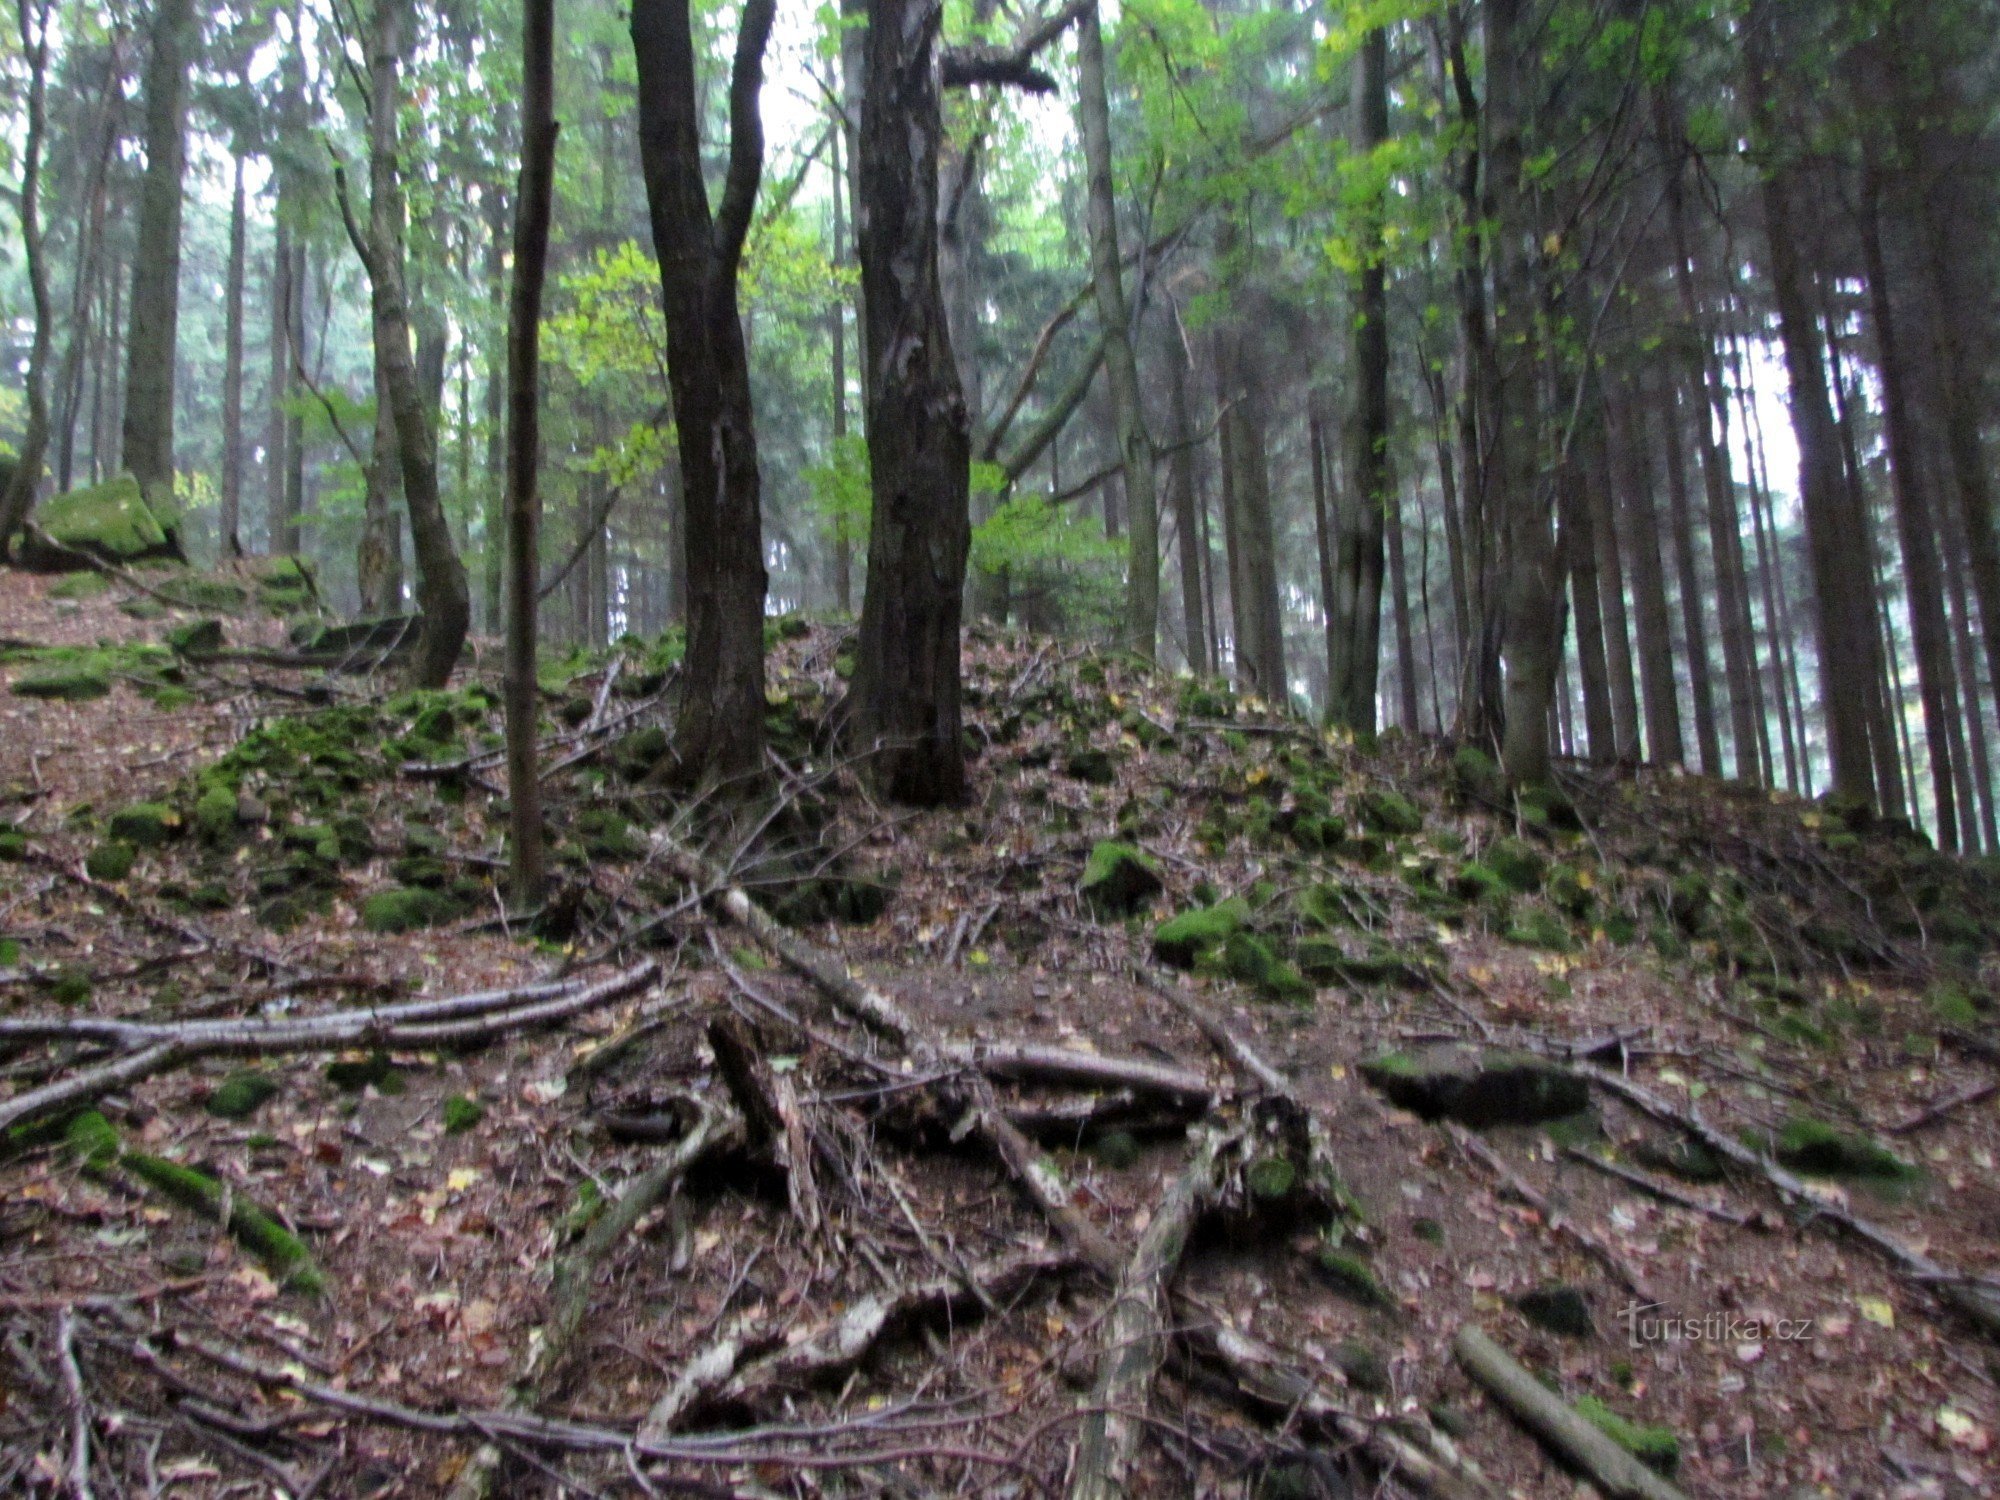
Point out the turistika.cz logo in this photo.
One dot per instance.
(1644, 1325)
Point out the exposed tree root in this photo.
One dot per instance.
(1560, 1223)
(1566, 1433)
(1978, 1301)
(1133, 1337)
(152, 1048)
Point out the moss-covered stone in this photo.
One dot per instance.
(110, 861)
(80, 586)
(406, 909)
(1248, 959)
(1271, 1179)
(1351, 1276)
(145, 825)
(1477, 1087)
(1655, 1447)
(1092, 765)
(1558, 1308)
(1518, 863)
(69, 685)
(1118, 879)
(461, 1113)
(112, 522)
(1390, 812)
(196, 638)
(1479, 881)
(215, 816)
(1476, 776)
(1548, 806)
(1538, 927)
(72, 987)
(607, 835)
(1184, 939)
(1818, 1149)
(242, 1094)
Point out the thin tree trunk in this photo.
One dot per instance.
(1399, 586)
(230, 524)
(493, 582)
(843, 543)
(1323, 536)
(1191, 531)
(20, 483)
(1253, 584)
(527, 861)
(86, 283)
(1680, 523)
(1639, 528)
(1600, 497)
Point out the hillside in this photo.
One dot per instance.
(1390, 1053)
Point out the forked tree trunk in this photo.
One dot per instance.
(719, 734)
(148, 439)
(904, 709)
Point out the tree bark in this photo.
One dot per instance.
(719, 733)
(904, 709)
(1639, 528)
(19, 484)
(527, 865)
(230, 524)
(147, 447)
(842, 544)
(494, 580)
(1246, 519)
(1680, 527)
(1187, 526)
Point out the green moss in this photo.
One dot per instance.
(75, 685)
(111, 520)
(72, 987)
(1364, 1368)
(92, 1140)
(1538, 927)
(1182, 940)
(406, 910)
(281, 1251)
(223, 595)
(1476, 775)
(1953, 1006)
(1271, 1178)
(1203, 699)
(353, 1074)
(242, 1094)
(1390, 812)
(145, 825)
(1818, 1149)
(1097, 767)
(1518, 863)
(1118, 879)
(110, 861)
(13, 845)
(1655, 1447)
(79, 586)
(461, 1113)
(1248, 959)
(1560, 1309)
(1479, 881)
(1430, 1231)
(607, 835)
(1350, 1276)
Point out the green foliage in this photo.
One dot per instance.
(1655, 1447)
(1053, 550)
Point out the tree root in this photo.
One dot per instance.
(1560, 1223)
(152, 1048)
(1566, 1433)
(1978, 1301)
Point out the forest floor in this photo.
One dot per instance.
(854, 1295)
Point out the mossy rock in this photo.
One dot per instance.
(111, 861)
(1118, 879)
(191, 591)
(1518, 863)
(1559, 1308)
(1389, 812)
(145, 825)
(1352, 1277)
(406, 910)
(1248, 959)
(425, 870)
(1477, 776)
(1819, 1150)
(241, 1094)
(1094, 766)
(1201, 699)
(71, 685)
(1271, 1179)
(461, 1113)
(1655, 1447)
(13, 845)
(1572, 891)
(1538, 927)
(635, 754)
(606, 834)
(353, 1074)
(72, 987)
(1477, 1087)
(1548, 807)
(113, 522)
(215, 816)
(1182, 940)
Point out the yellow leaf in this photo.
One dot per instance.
(461, 1179)
(1876, 1310)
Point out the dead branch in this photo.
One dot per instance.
(1559, 1427)
(1931, 1114)
(156, 1047)
(1040, 1177)
(716, 1378)
(79, 1406)
(1978, 1301)
(1134, 1331)
(1559, 1223)
(771, 1109)
(1659, 1190)
(1037, 1062)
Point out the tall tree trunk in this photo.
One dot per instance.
(1328, 549)
(442, 594)
(1531, 597)
(85, 285)
(280, 518)
(1680, 526)
(230, 524)
(1121, 369)
(1188, 528)
(1639, 528)
(1600, 493)
(1253, 573)
(1841, 614)
(905, 706)
(375, 564)
(1777, 609)
(719, 733)
(494, 570)
(19, 484)
(147, 449)
(1580, 546)
(527, 862)
(842, 548)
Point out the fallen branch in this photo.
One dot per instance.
(714, 1377)
(1978, 1301)
(771, 1109)
(156, 1047)
(714, 1129)
(79, 1406)
(1659, 1190)
(1133, 1335)
(1935, 1112)
(1035, 1062)
(1565, 1432)
(1558, 1222)
(1040, 1177)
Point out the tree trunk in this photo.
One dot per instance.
(494, 570)
(1328, 549)
(442, 595)
(1639, 528)
(85, 284)
(1253, 571)
(905, 711)
(19, 484)
(1187, 526)
(147, 448)
(719, 733)
(230, 524)
(1135, 448)
(1680, 526)
(1599, 495)
(527, 861)
(842, 548)
(280, 519)
(1580, 545)
(375, 565)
